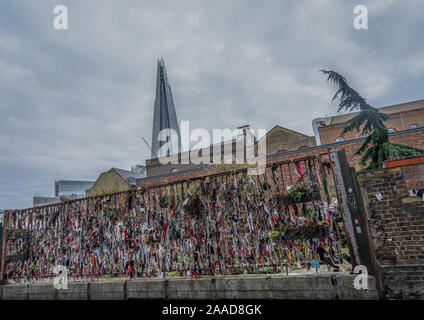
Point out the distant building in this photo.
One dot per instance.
(404, 116)
(138, 168)
(114, 180)
(70, 189)
(164, 115)
(278, 139)
(41, 201)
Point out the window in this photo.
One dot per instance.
(413, 125)
(364, 135)
(339, 139)
(391, 130)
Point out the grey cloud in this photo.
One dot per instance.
(77, 102)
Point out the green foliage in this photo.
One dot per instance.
(294, 194)
(350, 285)
(376, 148)
(378, 153)
(270, 270)
(275, 235)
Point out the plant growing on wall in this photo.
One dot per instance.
(376, 148)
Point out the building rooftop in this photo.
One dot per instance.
(128, 174)
(397, 108)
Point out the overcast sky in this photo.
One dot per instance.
(75, 103)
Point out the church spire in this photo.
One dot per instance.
(164, 116)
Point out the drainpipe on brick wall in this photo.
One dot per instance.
(315, 123)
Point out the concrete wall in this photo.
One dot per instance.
(397, 228)
(309, 286)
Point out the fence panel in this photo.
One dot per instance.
(228, 223)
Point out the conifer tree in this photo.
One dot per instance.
(376, 148)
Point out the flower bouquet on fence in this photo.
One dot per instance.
(297, 193)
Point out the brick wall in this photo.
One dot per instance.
(278, 139)
(401, 118)
(414, 176)
(399, 122)
(412, 137)
(397, 227)
(397, 216)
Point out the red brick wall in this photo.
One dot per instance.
(412, 138)
(397, 227)
(414, 176)
(396, 222)
(399, 121)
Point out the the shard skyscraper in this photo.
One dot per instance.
(164, 117)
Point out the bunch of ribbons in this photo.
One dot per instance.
(238, 226)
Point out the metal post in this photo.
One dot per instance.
(355, 213)
(3, 246)
(346, 214)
